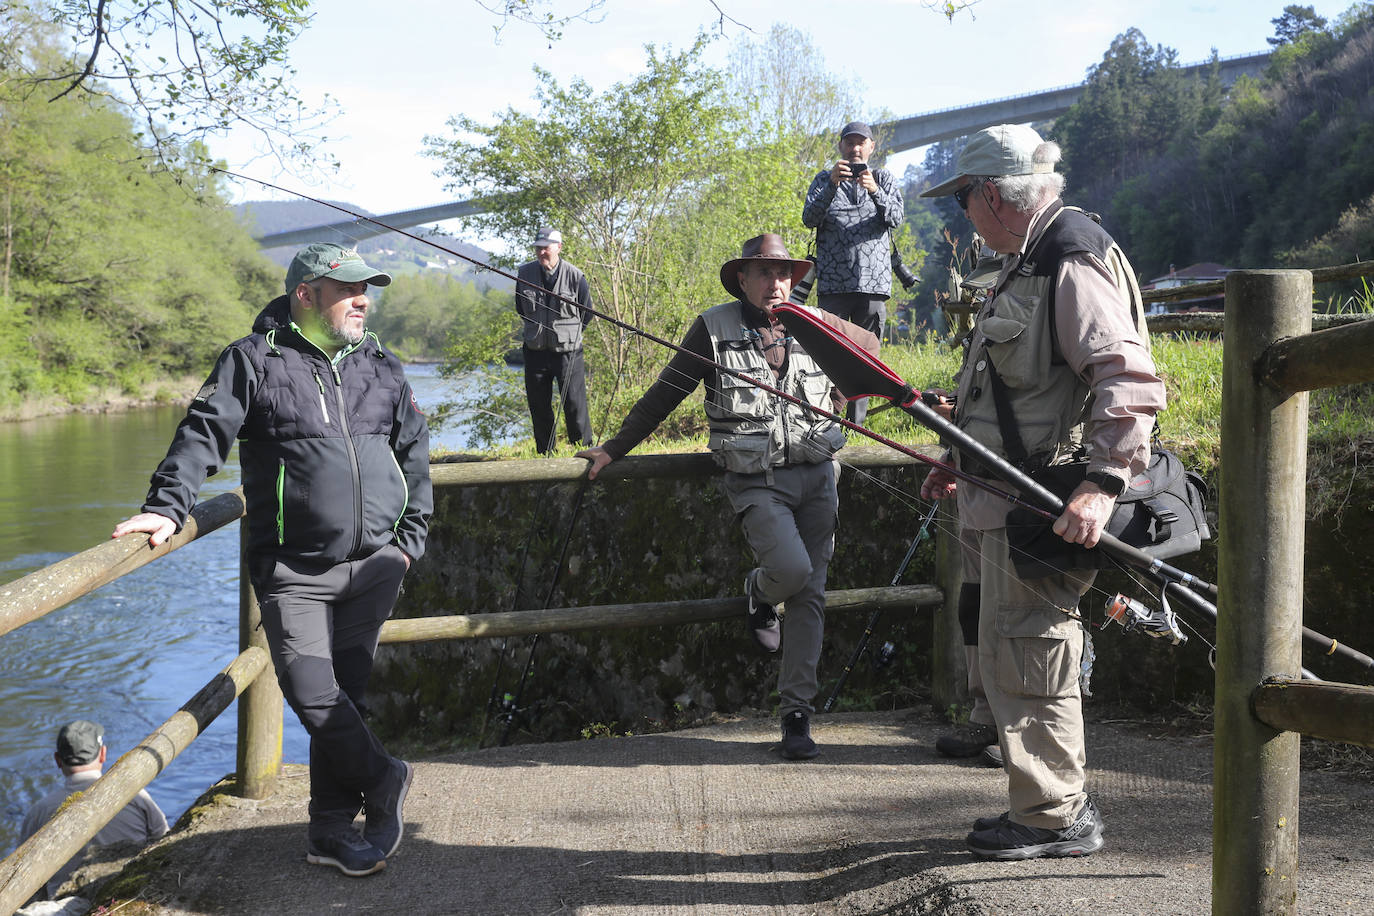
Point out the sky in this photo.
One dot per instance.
(399, 70)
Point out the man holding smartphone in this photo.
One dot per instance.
(854, 207)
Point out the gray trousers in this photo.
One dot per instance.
(790, 526)
(322, 625)
(1029, 653)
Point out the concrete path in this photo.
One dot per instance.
(713, 821)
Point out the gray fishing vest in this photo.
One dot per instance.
(550, 323)
(1015, 332)
(752, 430)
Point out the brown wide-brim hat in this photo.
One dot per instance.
(766, 247)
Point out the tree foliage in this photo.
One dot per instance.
(654, 183)
(418, 314)
(1235, 181)
(1294, 23)
(1275, 169)
(185, 70)
(111, 273)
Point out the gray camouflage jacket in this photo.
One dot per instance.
(853, 233)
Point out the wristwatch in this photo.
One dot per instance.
(1109, 483)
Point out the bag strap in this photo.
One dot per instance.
(1012, 442)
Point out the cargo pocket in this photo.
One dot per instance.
(741, 453)
(1038, 651)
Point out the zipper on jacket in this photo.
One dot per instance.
(324, 408)
(281, 501)
(343, 426)
(352, 458)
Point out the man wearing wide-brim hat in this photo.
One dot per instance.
(1058, 365)
(778, 457)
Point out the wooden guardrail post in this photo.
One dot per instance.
(260, 706)
(1261, 504)
(948, 661)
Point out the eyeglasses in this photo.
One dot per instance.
(961, 195)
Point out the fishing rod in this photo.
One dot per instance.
(854, 369)
(512, 704)
(653, 338)
(851, 362)
(885, 652)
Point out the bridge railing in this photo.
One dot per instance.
(250, 677)
(1270, 361)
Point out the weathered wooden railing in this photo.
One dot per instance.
(260, 708)
(1270, 361)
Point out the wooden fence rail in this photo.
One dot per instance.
(624, 616)
(29, 867)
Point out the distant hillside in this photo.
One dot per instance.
(390, 251)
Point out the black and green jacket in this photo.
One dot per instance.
(334, 453)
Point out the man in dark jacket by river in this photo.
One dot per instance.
(335, 461)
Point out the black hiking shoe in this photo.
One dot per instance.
(967, 740)
(796, 736)
(763, 618)
(987, 823)
(347, 851)
(991, 756)
(1010, 840)
(383, 806)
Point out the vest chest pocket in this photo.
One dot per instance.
(1008, 348)
(815, 387)
(567, 332)
(741, 398)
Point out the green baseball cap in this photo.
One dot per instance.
(324, 259)
(1007, 149)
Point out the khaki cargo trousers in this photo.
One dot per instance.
(1029, 655)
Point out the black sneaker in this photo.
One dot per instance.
(347, 851)
(991, 756)
(967, 740)
(796, 736)
(987, 823)
(1010, 840)
(383, 806)
(763, 618)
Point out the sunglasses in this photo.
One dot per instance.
(961, 196)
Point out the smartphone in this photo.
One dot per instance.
(856, 169)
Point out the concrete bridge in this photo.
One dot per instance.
(900, 135)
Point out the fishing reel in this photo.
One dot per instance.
(884, 656)
(1135, 617)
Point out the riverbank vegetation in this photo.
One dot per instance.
(116, 273)
(1182, 170)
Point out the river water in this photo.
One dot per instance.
(130, 654)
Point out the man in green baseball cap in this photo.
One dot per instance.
(323, 259)
(334, 455)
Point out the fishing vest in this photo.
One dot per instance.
(1015, 332)
(752, 430)
(550, 323)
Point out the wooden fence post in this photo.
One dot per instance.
(948, 663)
(260, 706)
(1261, 507)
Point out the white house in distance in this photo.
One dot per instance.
(1205, 272)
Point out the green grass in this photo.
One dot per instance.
(1342, 419)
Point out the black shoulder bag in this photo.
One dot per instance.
(1162, 510)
